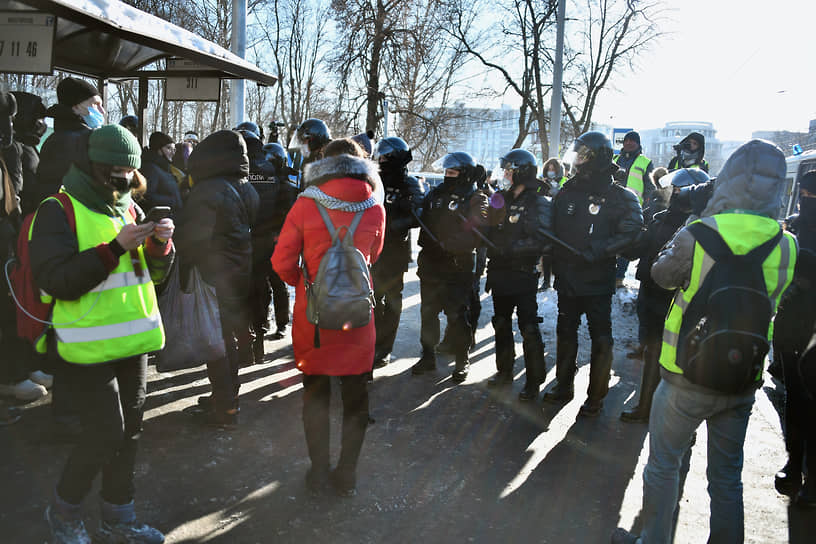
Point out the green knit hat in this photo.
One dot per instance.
(114, 145)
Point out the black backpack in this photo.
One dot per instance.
(339, 297)
(725, 327)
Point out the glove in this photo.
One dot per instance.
(588, 256)
(620, 175)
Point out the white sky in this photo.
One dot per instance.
(744, 65)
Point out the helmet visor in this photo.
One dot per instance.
(382, 150)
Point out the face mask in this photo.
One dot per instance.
(304, 150)
(450, 180)
(688, 157)
(120, 182)
(504, 184)
(807, 208)
(551, 174)
(94, 118)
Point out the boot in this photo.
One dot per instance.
(788, 481)
(446, 347)
(65, 522)
(505, 353)
(565, 370)
(600, 365)
(648, 384)
(381, 358)
(460, 371)
(536, 367)
(258, 349)
(426, 363)
(118, 524)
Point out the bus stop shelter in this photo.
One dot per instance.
(108, 39)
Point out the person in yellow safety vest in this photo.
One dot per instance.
(105, 320)
(742, 210)
(690, 153)
(635, 173)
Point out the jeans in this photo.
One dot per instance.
(110, 398)
(676, 414)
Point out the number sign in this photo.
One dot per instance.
(191, 88)
(27, 42)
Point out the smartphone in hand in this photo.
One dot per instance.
(156, 214)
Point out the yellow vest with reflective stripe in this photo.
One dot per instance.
(116, 319)
(742, 232)
(637, 171)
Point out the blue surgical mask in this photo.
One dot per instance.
(94, 118)
(551, 174)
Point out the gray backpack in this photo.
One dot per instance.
(340, 296)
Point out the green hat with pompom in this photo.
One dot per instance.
(114, 145)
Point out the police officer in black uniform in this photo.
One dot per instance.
(307, 143)
(599, 219)
(450, 213)
(403, 199)
(518, 217)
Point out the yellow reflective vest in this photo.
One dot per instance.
(742, 232)
(116, 319)
(637, 171)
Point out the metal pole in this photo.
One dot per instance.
(237, 102)
(385, 118)
(555, 105)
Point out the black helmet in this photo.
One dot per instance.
(129, 121)
(276, 154)
(249, 126)
(311, 136)
(522, 163)
(392, 150)
(460, 161)
(247, 134)
(592, 153)
(684, 178)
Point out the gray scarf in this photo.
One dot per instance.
(332, 203)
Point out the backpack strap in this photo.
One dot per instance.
(714, 245)
(335, 232)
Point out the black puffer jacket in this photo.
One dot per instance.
(518, 233)
(600, 219)
(68, 144)
(162, 188)
(214, 228)
(403, 203)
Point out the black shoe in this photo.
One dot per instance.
(530, 392)
(317, 478)
(280, 333)
(427, 363)
(500, 379)
(622, 536)
(381, 360)
(636, 415)
(591, 408)
(788, 481)
(223, 419)
(807, 495)
(343, 483)
(258, 351)
(460, 372)
(559, 395)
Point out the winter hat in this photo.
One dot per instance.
(808, 182)
(632, 135)
(71, 91)
(190, 135)
(158, 140)
(364, 139)
(114, 145)
(222, 153)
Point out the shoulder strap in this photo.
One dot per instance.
(349, 238)
(68, 206)
(714, 245)
(327, 221)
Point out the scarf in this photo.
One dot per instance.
(93, 195)
(333, 203)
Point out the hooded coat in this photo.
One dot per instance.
(701, 163)
(162, 188)
(67, 144)
(351, 179)
(751, 181)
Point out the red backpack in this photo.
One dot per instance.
(32, 313)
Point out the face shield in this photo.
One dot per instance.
(301, 145)
(578, 155)
(382, 150)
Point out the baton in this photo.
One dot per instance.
(478, 233)
(561, 242)
(427, 230)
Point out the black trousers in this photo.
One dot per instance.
(316, 400)
(388, 284)
(598, 310)
(454, 299)
(526, 308)
(18, 359)
(223, 372)
(652, 306)
(110, 398)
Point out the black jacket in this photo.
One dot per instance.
(403, 204)
(660, 229)
(518, 232)
(600, 219)
(162, 187)
(68, 144)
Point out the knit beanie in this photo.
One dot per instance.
(632, 135)
(808, 182)
(158, 140)
(114, 145)
(71, 91)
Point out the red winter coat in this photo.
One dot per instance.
(341, 353)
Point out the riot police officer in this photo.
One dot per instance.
(518, 217)
(450, 213)
(308, 141)
(403, 198)
(599, 219)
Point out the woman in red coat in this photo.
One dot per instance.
(343, 182)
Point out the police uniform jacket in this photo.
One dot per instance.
(403, 203)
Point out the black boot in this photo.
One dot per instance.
(788, 481)
(536, 367)
(505, 354)
(648, 384)
(565, 370)
(600, 365)
(427, 363)
(460, 371)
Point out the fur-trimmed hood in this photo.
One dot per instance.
(342, 166)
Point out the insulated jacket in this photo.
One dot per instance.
(746, 198)
(67, 144)
(600, 219)
(403, 203)
(341, 352)
(162, 186)
(638, 168)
